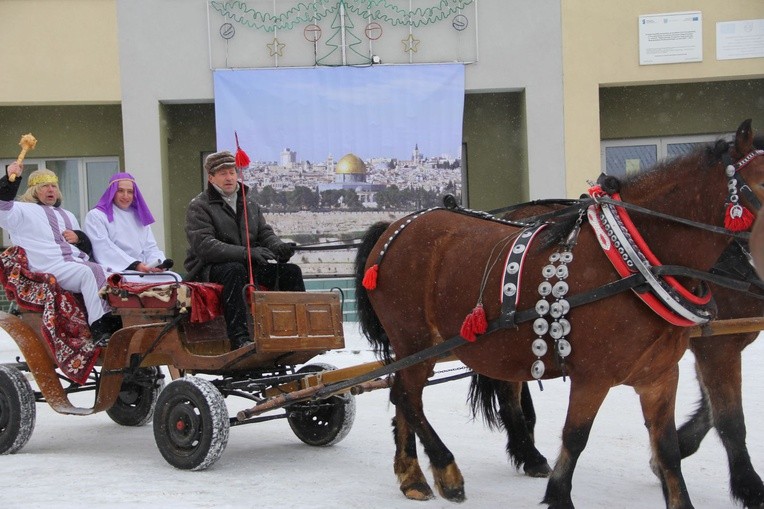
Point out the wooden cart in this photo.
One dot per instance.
(190, 418)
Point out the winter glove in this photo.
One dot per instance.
(284, 251)
(261, 255)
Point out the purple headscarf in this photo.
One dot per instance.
(139, 204)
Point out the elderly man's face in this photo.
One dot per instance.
(225, 179)
(48, 194)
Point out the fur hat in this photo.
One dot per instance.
(219, 160)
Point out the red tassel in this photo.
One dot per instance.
(475, 323)
(242, 159)
(370, 278)
(738, 218)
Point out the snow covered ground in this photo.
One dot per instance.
(92, 462)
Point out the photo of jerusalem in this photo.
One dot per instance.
(326, 186)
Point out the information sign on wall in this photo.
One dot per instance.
(670, 38)
(740, 39)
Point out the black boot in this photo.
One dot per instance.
(102, 329)
(240, 341)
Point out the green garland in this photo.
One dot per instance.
(306, 12)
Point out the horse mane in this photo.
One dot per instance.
(701, 158)
(704, 156)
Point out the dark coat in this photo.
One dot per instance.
(216, 234)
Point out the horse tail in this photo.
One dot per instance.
(368, 319)
(504, 408)
(483, 398)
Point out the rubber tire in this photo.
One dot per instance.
(17, 410)
(191, 423)
(135, 403)
(322, 423)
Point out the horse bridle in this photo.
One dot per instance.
(737, 183)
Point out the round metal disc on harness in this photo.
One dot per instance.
(560, 289)
(565, 326)
(540, 326)
(537, 369)
(563, 347)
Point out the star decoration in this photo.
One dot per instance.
(410, 44)
(276, 48)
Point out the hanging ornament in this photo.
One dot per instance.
(737, 218)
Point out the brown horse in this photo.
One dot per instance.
(757, 243)
(717, 362)
(718, 365)
(433, 269)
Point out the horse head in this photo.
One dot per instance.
(745, 170)
(720, 185)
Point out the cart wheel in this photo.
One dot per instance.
(324, 422)
(191, 423)
(137, 397)
(17, 410)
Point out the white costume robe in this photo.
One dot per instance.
(120, 243)
(39, 230)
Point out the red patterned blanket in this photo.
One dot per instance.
(64, 325)
(202, 298)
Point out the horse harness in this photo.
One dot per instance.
(640, 271)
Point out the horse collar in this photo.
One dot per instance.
(629, 254)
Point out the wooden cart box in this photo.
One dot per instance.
(293, 321)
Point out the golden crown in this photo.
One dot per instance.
(38, 180)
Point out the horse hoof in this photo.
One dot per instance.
(418, 491)
(542, 470)
(454, 495)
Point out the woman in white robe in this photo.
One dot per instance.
(119, 228)
(53, 243)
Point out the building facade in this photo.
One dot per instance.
(554, 90)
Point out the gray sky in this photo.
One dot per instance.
(369, 111)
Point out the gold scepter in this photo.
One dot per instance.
(27, 143)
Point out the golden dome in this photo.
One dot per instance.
(350, 164)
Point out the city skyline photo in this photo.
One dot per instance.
(336, 149)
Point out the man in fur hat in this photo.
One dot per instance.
(53, 242)
(217, 238)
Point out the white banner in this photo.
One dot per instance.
(335, 149)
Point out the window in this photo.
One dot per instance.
(623, 158)
(81, 180)
(628, 160)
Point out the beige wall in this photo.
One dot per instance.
(67, 56)
(63, 131)
(601, 49)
